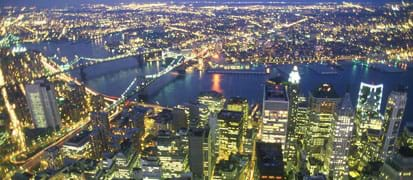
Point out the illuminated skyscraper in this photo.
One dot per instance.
(367, 143)
(399, 165)
(210, 103)
(293, 97)
(41, 100)
(275, 113)
(369, 97)
(342, 133)
(240, 105)
(229, 131)
(396, 104)
(213, 100)
(198, 153)
(99, 138)
(302, 126)
(323, 105)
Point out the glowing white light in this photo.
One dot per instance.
(294, 76)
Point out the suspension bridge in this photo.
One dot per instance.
(141, 82)
(88, 61)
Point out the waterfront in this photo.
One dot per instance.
(97, 84)
(113, 77)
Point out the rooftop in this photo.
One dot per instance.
(230, 115)
(325, 91)
(275, 91)
(79, 139)
(212, 94)
(237, 100)
(270, 159)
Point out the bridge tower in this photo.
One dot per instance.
(82, 73)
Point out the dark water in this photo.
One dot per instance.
(113, 77)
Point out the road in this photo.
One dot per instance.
(31, 162)
(34, 160)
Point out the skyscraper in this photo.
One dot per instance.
(399, 165)
(342, 133)
(229, 131)
(293, 97)
(41, 100)
(393, 116)
(323, 105)
(210, 103)
(239, 104)
(275, 113)
(99, 138)
(213, 100)
(369, 97)
(198, 153)
(270, 164)
(367, 143)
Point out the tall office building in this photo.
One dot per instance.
(41, 100)
(213, 100)
(323, 105)
(399, 165)
(203, 116)
(275, 113)
(292, 136)
(229, 131)
(99, 138)
(198, 153)
(342, 133)
(239, 104)
(270, 164)
(367, 143)
(301, 129)
(369, 97)
(393, 116)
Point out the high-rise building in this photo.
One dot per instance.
(301, 129)
(292, 136)
(323, 105)
(275, 113)
(171, 154)
(239, 104)
(203, 116)
(342, 133)
(213, 100)
(229, 131)
(393, 116)
(400, 164)
(233, 168)
(210, 104)
(198, 153)
(41, 100)
(270, 164)
(367, 142)
(99, 138)
(369, 97)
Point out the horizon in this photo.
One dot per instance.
(74, 3)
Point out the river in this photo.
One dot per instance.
(113, 77)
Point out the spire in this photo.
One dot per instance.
(294, 76)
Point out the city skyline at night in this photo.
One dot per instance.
(236, 90)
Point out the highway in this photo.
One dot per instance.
(31, 162)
